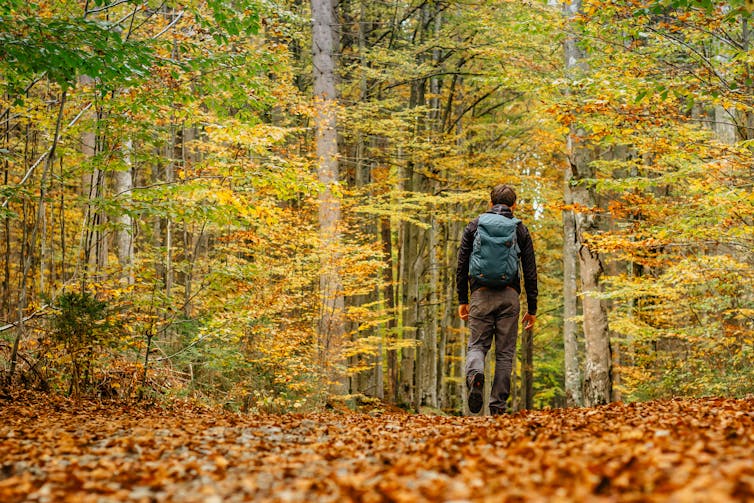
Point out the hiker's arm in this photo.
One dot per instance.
(462, 270)
(529, 267)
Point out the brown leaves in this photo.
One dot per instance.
(684, 450)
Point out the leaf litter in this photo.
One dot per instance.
(54, 449)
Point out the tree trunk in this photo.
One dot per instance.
(429, 343)
(124, 224)
(527, 368)
(598, 371)
(570, 328)
(429, 347)
(331, 323)
(410, 263)
(173, 154)
(389, 296)
(5, 311)
(452, 340)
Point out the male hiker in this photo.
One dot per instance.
(488, 258)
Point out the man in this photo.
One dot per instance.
(494, 308)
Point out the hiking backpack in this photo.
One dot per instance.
(495, 255)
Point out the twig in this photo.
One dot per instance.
(172, 23)
(106, 7)
(36, 313)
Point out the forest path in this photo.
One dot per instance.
(681, 450)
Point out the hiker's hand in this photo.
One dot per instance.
(529, 320)
(463, 311)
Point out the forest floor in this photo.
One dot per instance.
(53, 449)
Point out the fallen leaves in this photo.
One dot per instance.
(680, 450)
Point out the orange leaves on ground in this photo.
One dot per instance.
(682, 450)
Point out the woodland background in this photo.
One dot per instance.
(258, 203)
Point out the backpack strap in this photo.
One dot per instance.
(500, 211)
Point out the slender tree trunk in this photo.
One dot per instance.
(527, 368)
(331, 321)
(124, 224)
(369, 381)
(89, 185)
(102, 241)
(570, 328)
(191, 238)
(446, 315)
(389, 296)
(451, 342)
(5, 311)
(409, 281)
(748, 116)
(726, 119)
(173, 155)
(429, 346)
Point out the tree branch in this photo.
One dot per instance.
(106, 7)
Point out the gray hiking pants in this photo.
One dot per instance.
(493, 313)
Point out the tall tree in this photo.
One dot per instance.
(324, 63)
(598, 360)
(573, 384)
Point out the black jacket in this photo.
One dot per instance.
(528, 262)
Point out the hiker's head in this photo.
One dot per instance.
(503, 194)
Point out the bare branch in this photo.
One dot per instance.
(106, 7)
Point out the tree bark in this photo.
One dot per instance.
(598, 364)
(331, 322)
(527, 368)
(389, 299)
(410, 262)
(598, 371)
(5, 311)
(570, 328)
(124, 224)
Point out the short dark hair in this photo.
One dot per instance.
(503, 194)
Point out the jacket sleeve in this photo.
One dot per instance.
(529, 268)
(464, 255)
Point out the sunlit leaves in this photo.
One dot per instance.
(663, 78)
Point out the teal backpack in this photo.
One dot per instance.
(495, 256)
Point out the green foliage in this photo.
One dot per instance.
(230, 18)
(63, 48)
(84, 326)
(80, 319)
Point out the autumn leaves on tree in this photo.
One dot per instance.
(262, 202)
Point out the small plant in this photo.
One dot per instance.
(82, 325)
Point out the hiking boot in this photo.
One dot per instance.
(476, 385)
(498, 411)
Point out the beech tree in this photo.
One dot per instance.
(598, 361)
